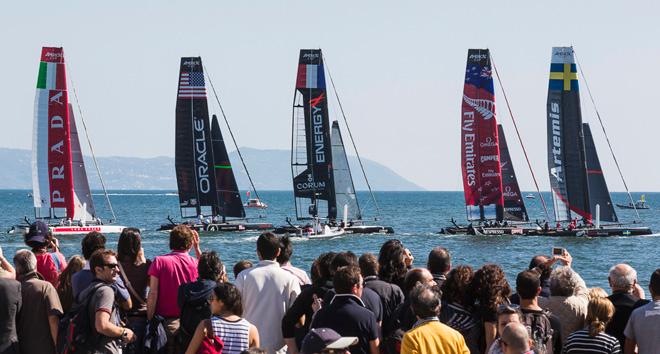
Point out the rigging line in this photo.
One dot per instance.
(91, 149)
(247, 172)
(602, 126)
(350, 134)
(522, 145)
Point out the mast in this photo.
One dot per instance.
(195, 173)
(344, 187)
(52, 173)
(311, 153)
(480, 155)
(229, 198)
(566, 150)
(514, 206)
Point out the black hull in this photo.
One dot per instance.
(622, 206)
(603, 231)
(221, 227)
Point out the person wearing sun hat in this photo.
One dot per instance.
(324, 340)
(49, 264)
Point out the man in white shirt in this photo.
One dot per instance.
(267, 292)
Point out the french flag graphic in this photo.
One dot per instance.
(310, 76)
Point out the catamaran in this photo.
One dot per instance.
(576, 178)
(208, 192)
(60, 189)
(322, 181)
(493, 202)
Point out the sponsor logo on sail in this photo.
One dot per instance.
(310, 184)
(54, 55)
(487, 158)
(311, 56)
(557, 170)
(191, 63)
(201, 160)
(488, 143)
(490, 174)
(485, 107)
(477, 57)
(317, 129)
(468, 148)
(509, 193)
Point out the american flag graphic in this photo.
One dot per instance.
(191, 85)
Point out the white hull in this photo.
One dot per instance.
(81, 230)
(326, 234)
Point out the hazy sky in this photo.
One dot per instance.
(399, 68)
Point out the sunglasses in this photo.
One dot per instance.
(507, 308)
(111, 265)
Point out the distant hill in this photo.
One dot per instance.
(270, 170)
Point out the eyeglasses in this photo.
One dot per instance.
(111, 265)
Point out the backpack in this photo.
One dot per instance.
(75, 334)
(192, 313)
(540, 330)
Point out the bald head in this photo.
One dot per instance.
(515, 338)
(622, 277)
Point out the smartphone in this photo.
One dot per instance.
(557, 251)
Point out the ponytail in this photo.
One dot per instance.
(596, 326)
(599, 313)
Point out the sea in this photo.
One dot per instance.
(415, 216)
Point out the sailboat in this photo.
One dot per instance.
(576, 178)
(208, 192)
(493, 201)
(322, 181)
(60, 189)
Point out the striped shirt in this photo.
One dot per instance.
(581, 342)
(234, 334)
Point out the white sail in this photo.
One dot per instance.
(344, 188)
(82, 196)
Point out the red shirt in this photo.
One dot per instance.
(172, 270)
(50, 265)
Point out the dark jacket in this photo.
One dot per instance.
(193, 302)
(624, 304)
(370, 299)
(10, 298)
(303, 306)
(390, 296)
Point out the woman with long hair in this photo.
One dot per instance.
(392, 262)
(593, 338)
(457, 309)
(236, 333)
(64, 287)
(490, 289)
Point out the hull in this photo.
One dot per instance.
(603, 231)
(221, 227)
(82, 230)
(369, 229)
(624, 206)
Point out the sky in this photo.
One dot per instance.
(398, 68)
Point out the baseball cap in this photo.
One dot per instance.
(37, 233)
(325, 338)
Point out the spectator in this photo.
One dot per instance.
(623, 282)
(37, 323)
(429, 335)
(284, 259)
(236, 333)
(391, 296)
(326, 340)
(439, 264)
(569, 298)
(392, 264)
(254, 351)
(134, 269)
(346, 313)
(544, 327)
(593, 338)
(515, 339)
(267, 292)
(302, 308)
(597, 292)
(542, 265)
(490, 289)
(193, 298)
(11, 300)
(6, 269)
(457, 309)
(369, 297)
(49, 264)
(241, 266)
(64, 286)
(166, 273)
(109, 335)
(505, 314)
(82, 279)
(644, 323)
